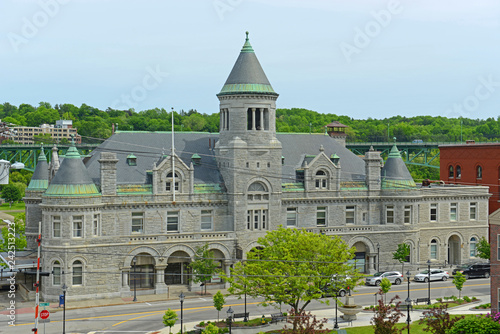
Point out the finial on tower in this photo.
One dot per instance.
(246, 32)
(247, 47)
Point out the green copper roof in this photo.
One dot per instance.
(195, 156)
(208, 188)
(38, 184)
(395, 174)
(40, 178)
(247, 76)
(72, 178)
(394, 152)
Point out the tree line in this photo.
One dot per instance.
(94, 124)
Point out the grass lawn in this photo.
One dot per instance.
(16, 206)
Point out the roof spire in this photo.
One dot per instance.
(247, 47)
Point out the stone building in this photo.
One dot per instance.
(137, 210)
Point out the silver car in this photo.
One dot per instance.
(436, 275)
(394, 276)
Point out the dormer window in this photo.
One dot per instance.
(321, 180)
(196, 159)
(131, 160)
(170, 182)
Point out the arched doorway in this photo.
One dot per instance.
(454, 250)
(359, 261)
(219, 261)
(142, 271)
(178, 270)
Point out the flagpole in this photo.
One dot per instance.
(173, 160)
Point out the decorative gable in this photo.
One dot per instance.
(320, 173)
(166, 181)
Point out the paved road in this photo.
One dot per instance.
(145, 317)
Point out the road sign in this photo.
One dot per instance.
(44, 321)
(44, 304)
(44, 314)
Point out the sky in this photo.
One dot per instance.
(360, 58)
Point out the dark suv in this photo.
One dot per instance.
(477, 270)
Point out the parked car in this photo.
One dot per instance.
(461, 268)
(477, 270)
(329, 290)
(436, 275)
(394, 276)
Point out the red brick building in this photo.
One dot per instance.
(473, 164)
(479, 164)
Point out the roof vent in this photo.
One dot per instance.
(196, 159)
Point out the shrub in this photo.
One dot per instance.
(476, 325)
(439, 300)
(437, 320)
(386, 318)
(211, 329)
(467, 299)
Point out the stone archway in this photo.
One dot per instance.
(178, 271)
(359, 262)
(454, 254)
(142, 274)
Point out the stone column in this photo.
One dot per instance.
(160, 286)
(222, 113)
(371, 264)
(261, 118)
(253, 118)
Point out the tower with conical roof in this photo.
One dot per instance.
(395, 174)
(248, 152)
(33, 197)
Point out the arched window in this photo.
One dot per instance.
(56, 270)
(434, 249)
(321, 180)
(77, 273)
(479, 172)
(170, 181)
(458, 169)
(473, 247)
(408, 258)
(451, 173)
(257, 211)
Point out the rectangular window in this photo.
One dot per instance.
(350, 212)
(389, 214)
(453, 211)
(56, 226)
(77, 226)
(77, 275)
(473, 211)
(433, 212)
(434, 251)
(96, 225)
(256, 219)
(137, 222)
(206, 220)
(321, 216)
(365, 217)
(249, 219)
(168, 186)
(407, 216)
(291, 217)
(264, 219)
(56, 277)
(173, 221)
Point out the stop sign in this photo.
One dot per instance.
(44, 314)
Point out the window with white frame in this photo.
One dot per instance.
(389, 214)
(77, 273)
(257, 191)
(56, 273)
(96, 225)
(137, 222)
(173, 221)
(206, 220)
(291, 217)
(407, 214)
(56, 226)
(257, 219)
(434, 249)
(433, 212)
(77, 226)
(169, 183)
(473, 211)
(453, 211)
(321, 215)
(473, 247)
(321, 180)
(350, 214)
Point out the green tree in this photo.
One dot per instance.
(401, 254)
(14, 236)
(483, 249)
(292, 266)
(203, 266)
(219, 302)
(459, 280)
(476, 325)
(169, 319)
(385, 286)
(11, 193)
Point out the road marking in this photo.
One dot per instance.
(148, 303)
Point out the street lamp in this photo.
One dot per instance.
(64, 287)
(181, 299)
(378, 257)
(408, 301)
(245, 319)
(135, 279)
(336, 326)
(229, 317)
(428, 282)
